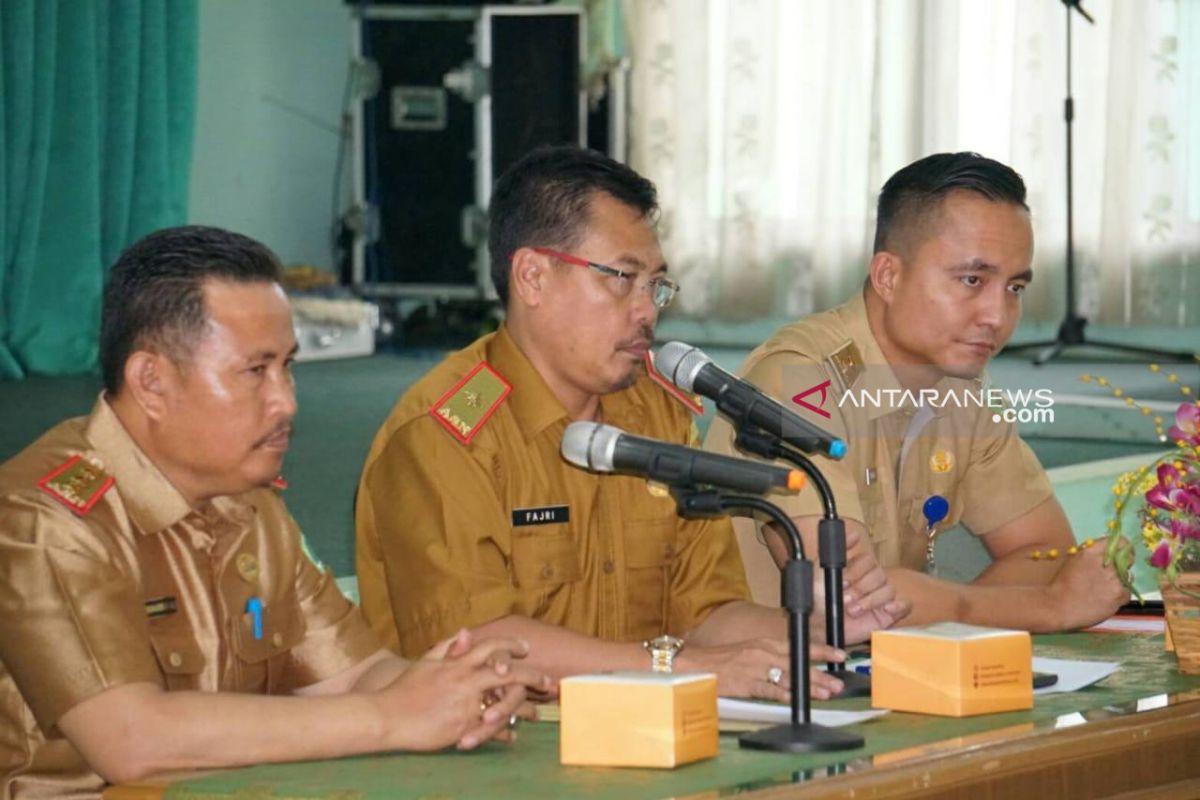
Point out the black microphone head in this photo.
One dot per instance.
(590, 445)
(679, 363)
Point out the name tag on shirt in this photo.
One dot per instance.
(161, 607)
(545, 515)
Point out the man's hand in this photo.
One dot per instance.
(861, 617)
(858, 627)
(462, 694)
(869, 598)
(1086, 590)
(866, 586)
(743, 669)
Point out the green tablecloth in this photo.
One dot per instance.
(530, 769)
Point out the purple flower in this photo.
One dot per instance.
(1161, 557)
(1169, 498)
(1191, 498)
(1168, 476)
(1187, 424)
(1187, 528)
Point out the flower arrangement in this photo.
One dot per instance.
(1165, 494)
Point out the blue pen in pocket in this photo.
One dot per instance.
(254, 607)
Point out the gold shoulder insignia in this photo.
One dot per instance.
(692, 402)
(847, 364)
(470, 402)
(77, 484)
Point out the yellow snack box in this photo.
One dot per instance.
(638, 719)
(951, 669)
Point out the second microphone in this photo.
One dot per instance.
(603, 448)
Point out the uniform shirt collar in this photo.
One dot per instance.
(878, 375)
(152, 501)
(878, 378)
(535, 406)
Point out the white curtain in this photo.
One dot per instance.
(770, 125)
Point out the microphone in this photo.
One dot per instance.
(692, 371)
(603, 448)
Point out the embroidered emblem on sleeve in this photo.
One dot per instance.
(467, 406)
(77, 484)
(847, 364)
(692, 402)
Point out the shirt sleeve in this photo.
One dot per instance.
(72, 623)
(433, 540)
(1004, 479)
(336, 637)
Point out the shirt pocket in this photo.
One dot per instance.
(544, 560)
(874, 513)
(262, 660)
(179, 657)
(651, 549)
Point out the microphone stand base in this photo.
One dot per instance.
(805, 737)
(855, 684)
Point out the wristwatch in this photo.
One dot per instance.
(663, 650)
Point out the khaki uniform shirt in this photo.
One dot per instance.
(143, 588)
(900, 453)
(467, 513)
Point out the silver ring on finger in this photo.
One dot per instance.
(774, 676)
(512, 720)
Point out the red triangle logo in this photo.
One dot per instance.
(820, 407)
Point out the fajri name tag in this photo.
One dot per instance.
(546, 515)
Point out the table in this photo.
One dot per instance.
(1140, 727)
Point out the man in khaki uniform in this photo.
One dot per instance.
(898, 373)
(155, 591)
(467, 513)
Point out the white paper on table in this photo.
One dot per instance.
(756, 711)
(1072, 674)
(1130, 624)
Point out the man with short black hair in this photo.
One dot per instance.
(898, 372)
(467, 513)
(158, 610)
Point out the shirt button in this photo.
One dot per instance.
(609, 567)
(669, 550)
(277, 639)
(547, 571)
(175, 660)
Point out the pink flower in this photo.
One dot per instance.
(1161, 557)
(1168, 476)
(1191, 501)
(1168, 497)
(1187, 424)
(1185, 528)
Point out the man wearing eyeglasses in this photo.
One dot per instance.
(467, 515)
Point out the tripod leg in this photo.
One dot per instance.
(1049, 354)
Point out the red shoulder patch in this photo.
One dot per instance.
(280, 483)
(692, 403)
(77, 484)
(467, 406)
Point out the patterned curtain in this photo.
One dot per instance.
(770, 126)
